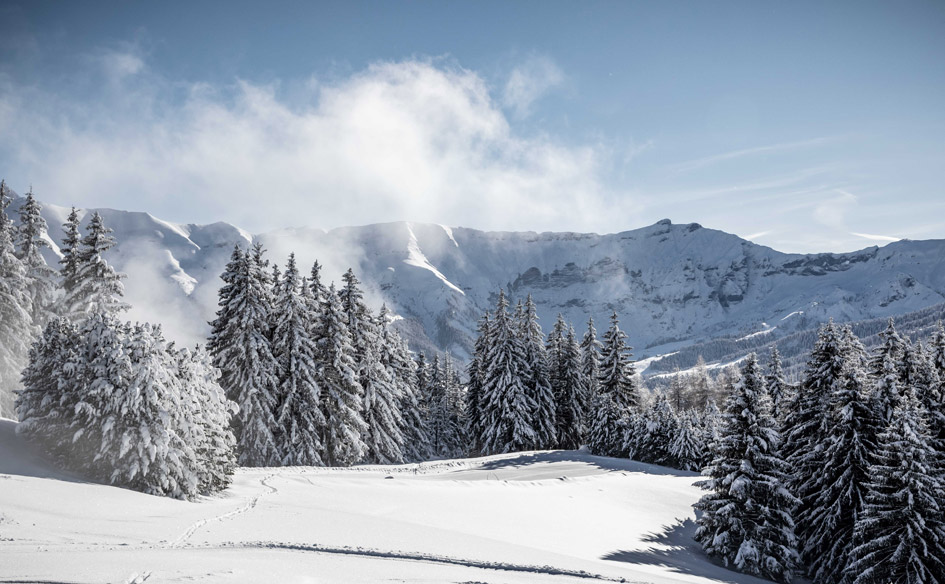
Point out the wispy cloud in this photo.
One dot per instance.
(528, 82)
(755, 236)
(698, 163)
(869, 236)
(420, 139)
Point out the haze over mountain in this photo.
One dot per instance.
(672, 285)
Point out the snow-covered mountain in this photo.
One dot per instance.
(672, 285)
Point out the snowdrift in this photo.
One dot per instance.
(555, 516)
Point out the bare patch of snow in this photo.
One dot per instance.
(449, 233)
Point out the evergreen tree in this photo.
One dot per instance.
(41, 279)
(342, 395)
(16, 329)
(299, 416)
(662, 425)
(537, 377)
(403, 371)
(746, 520)
(885, 368)
(850, 448)
(570, 394)
(900, 536)
(617, 394)
(253, 367)
(779, 391)
(71, 241)
(384, 435)
(687, 448)
(97, 286)
(590, 353)
(505, 406)
(475, 372)
(225, 328)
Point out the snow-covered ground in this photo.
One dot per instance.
(553, 516)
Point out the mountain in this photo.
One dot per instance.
(673, 286)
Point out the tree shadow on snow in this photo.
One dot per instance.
(579, 456)
(22, 458)
(682, 555)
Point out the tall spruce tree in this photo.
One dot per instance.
(403, 371)
(617, 394)
(475, 373)
(590, 354)
(505, 408)
(779, 390)
(570, 394)
(850, 447)
(299, 414)
(886, 369)
(342, 394)
(96, 286)
(31, 240)
(746, 520)
(900, 536)
(16, 328)
(537, 377)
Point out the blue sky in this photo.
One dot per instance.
(804, 126)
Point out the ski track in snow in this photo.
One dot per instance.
(249, 506)
(418, 557)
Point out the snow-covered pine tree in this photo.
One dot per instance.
(209, 418)
(918, 372)
(475, 373)
(779, 390)
(448, 423)
(69, 270)
(570, 394)
(395, 355)
(44, 405)
(97, 286)
(16, 328)
(590, 354)
(687, 448)
(253, 368)
(900, 536)
(342, 395)
(225, 327)
(886, 370)
(711, 428)
(850, 448)
(804, 424)
(661, 427)
(299, 415)
(618, 394)
(384, 435)
(537, 377)
(746, 520)
(40, 278)
(505, 406)
(143, 446)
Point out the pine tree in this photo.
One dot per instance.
(850, 448)
(687, 447)
(253, 366)
(885, 368)
(570, 394)
(475, 373)
(505, 406)
(590, 354)
(617, 394)
(804, 425)
(69, 272)
(342, 394)
(661, 427)
(746, 520)
(16, 329)
(901, 534)
(403, 371)
(97, 286)
(225, 328)
(779, 390)
(41, 279)
(384, 435)
(537, 377)
(299, 418)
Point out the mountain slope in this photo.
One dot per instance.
(672, 285)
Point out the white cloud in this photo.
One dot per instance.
(832, 212)
(530, 81)
(737, 154)
(416, 140)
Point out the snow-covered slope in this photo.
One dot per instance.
(525, 518)
(673, 285)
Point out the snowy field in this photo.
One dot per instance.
(553, 516)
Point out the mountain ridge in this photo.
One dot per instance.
(673, 285)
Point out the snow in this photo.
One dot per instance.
(416, 258)
(556, 516)
(182, 230)
(186, 282)
(795, 313)
(449, 233)
(765, 330)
